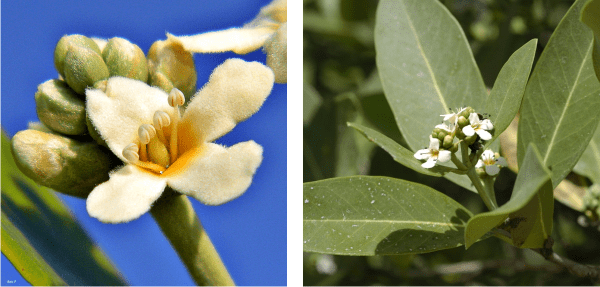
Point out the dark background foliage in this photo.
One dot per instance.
(341, 85)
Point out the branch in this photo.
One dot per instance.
(580, 270)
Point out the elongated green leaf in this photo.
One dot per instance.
(368, 215)
(426, 67)
(529, 209)
(560, 108)
(398, 152)
(42, 239)
(590, 15)
(506, 95)
(353, 151)
(311, 102)
(589, 163)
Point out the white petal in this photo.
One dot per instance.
(444, 155)
(448, 116)
(127, 195)
(501, 161)
(444, 127)
(486, 125)
(492, 169)
(238, 40)
(434, 144)
(276, 48)
(479, 164)
(235, 91)
(473, 118)
(218, 174)
(483, 135)
(468, 131)
(118, 113)
(429, 163)
(423, 154)
(487, 154)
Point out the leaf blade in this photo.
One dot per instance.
(589, 16)
(559, 111)
(341, 217)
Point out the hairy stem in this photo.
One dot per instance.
(178, 221)
(458, 163)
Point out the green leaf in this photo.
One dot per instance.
(370, 215)
(353, 151)
(505, 98)
(42, 239)
(589, 163)
(590, 15)
(560, 109)
(529, 209)
(398, 152)
(426, 68)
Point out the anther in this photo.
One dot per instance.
(130, 153)
(161, 119)
(176, 99)
(146, 132)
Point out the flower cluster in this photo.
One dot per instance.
(465, 125)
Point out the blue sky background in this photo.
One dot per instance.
(250, 232)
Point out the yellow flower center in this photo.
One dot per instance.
(157, 147)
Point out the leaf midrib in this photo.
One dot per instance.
(384, 221)
(435, 84)
(562, 116)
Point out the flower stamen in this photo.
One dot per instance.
(130, 152)
(176, 99)
(161, 119)
(146, 132)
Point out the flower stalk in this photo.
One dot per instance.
(472, 174)
(180, 224)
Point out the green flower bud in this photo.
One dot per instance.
(462, 122)
(454, 148)
(448, 141)
(125, 59)
(459, 134)
(466, 112)
(434, 135)
(83, 67)
(170, 66)
(61, 163)
(441, 135)
(593, 204)
(470, 140)
(65, 43)
(60, 108)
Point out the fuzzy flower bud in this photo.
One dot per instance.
(60, 108)
(170, 66)
(125, 59)
(80, 61)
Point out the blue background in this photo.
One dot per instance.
(250, 232)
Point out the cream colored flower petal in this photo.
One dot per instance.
(127, 195)
(276, 48)
(218, 174)
(235, 91)
(118, 112)
(239, 40)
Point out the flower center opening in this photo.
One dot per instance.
(489, 161)
(157, 146)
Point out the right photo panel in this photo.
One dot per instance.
(451, 142)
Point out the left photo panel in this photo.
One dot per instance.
(142, 143)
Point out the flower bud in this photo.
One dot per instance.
(276, 49)
(61, 163)
(170, 66)
(448, 141)
(463, 122)
(125, 59)
(65, 43)
(470, 140)
(441, 135)
(60, 108)
(434, 134)
(83, 67)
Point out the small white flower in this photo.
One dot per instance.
(445, 127)
(432, 154)
(479, 127)
(490, 163)
(452, 117)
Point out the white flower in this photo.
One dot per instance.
(268, 30)
(491, 163)
(452, 118)
(445, 127)
(143, 127)
(432, 154)
(479, 127)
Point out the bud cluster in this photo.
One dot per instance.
(591, 202)
(65, 152)
(466, 126)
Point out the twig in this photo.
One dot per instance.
(577, 269)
